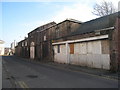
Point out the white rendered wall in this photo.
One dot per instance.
(1, 49)
(88, 53)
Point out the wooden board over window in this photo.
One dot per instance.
(105, 47)
(72, 48)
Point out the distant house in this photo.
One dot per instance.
(30, 47)
(36, 39)
(1, 47)
(13, 45)
(7, 51)
(22, 49)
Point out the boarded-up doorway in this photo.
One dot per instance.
(45, 50)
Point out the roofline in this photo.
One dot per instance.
(110, 28)
(71, 20)
(82, 40)
(41, 26)
(102, 17)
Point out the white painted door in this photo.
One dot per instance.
(32, 52)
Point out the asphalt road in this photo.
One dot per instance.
(20, 73)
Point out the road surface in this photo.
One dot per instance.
(20, 73)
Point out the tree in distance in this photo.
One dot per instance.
(104, 8)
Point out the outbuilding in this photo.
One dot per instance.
(93, 44)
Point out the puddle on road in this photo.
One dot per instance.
(7, 78)
(32, 76)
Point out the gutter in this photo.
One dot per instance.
(83, 40)
(110, 28)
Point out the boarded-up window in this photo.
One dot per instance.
(94, 47)
(105, 46)
(76, 48)
(58, 48)
(71, 48)
(57, 32)
(83, 49)
(44, 38)
(26, 43)
(89, 47)
(63, 49)
(22, 43)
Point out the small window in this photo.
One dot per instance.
(26, 43)
(58, 48)
(105, 46)
(22, 43)
(57, 32)
(71, 48)
(44, 38)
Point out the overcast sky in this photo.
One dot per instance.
(22, 16)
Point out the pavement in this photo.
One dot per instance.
(88, 70)
(99, 72)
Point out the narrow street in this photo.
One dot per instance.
(20, 73)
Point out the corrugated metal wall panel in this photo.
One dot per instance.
(85, 54)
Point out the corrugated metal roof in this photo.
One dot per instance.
(97, 24)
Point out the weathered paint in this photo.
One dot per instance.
(105, 47)
(85, 54)
(90, 54)
(62, 56)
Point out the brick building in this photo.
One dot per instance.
(92, 43)
(30, 46)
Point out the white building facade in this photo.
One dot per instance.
(84, 52)
(2, 47)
